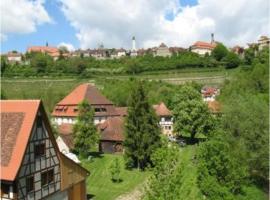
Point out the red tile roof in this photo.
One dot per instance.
(112, 129)
(65, 132)
(162, 110)
(17, 119)
(69, 105)
(52, 51)
(204, 45)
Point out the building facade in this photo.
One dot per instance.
(30, 159)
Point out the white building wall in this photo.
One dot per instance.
(201, 51)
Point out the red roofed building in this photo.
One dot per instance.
(202, 48)
(31, 165)
(52, 51)
(66, 110)
(111, 135)
(209, 93)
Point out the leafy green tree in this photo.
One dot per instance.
(232, 60)
(4, 64)
(249, 55)
(221, 173)
(115, 170)
(219, 52)
(191, 114)
(142, 132)
(41, 62)
(166, 181)
(84, 130)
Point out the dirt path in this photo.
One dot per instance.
(135, 194)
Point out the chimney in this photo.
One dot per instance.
(212, 38)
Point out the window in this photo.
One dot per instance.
(4, 190)
(47, 177)
(100, 110)
(30, 184)
(39, 121)
(39, 150)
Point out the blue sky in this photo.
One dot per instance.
(58, 31)
(84, 24)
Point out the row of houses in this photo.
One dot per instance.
(199, 47)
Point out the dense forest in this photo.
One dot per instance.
(36, 64)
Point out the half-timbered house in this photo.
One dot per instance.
(31, 164)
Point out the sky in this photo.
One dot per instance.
(87, 24)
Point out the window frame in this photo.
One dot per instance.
(29, 183)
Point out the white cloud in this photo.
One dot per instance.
(22, 16)
(113, 23)
(69, 46)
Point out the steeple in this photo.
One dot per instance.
(212, 38)
(133, 44)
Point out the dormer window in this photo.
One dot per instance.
(100, 110)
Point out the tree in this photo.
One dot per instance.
(142, 132)
(166, 181)
(4, 64)
(219, 52)
(41, 62)
(221, 173)
(191, 115)
(232, 60)
(115, 170)
(84, 130)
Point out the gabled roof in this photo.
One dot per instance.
(42, 49)
(85, 91)
(112, 129)
(122, 111)
(17, 119)
(203, 45)
(162, 110)
(65, 132)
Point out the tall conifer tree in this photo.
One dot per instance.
(141, 129)
(85, 133)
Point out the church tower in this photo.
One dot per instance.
(133, 44)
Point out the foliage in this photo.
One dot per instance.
(220, 173)
(41, 62)
(99, 183)
(191, 115)
(232, 60)
(167, 175)
(142, 132)
(84, 130)
(219, 52)
(115, 170)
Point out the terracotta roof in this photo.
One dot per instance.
(122, 111)
(65, 132)
(17, 119)
(69, 105)
(85, 91)
(162, 110)
(112, 129)
(43, 49)
(204, 45)
(214, 106)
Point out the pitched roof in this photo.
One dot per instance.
(44, 49)
(122, 111)
(17, 119)
(85, 91)
(203, 45)
(112, 129)
(65, 132)
(162, 45)
(162, 110)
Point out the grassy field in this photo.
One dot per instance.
(99, 182)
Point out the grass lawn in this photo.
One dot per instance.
(99, 182)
